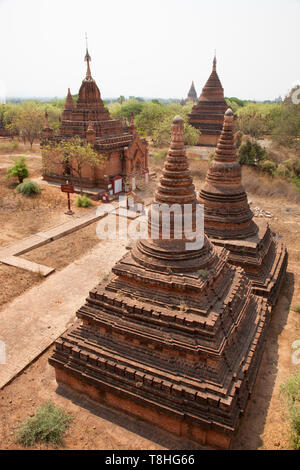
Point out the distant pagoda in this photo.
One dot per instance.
(174, 336)
(207, 115)
(126, 153)
(192, 95)
(229, 220)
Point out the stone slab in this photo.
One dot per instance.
(28, 265)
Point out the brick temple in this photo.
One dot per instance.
(174, 336)
(126, 154)
(192, 96)
(229, 220)
(207, 115)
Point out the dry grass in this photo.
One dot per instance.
(260, 184)
(255, 183)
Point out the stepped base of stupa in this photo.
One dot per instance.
(263, 257)
(171, 351)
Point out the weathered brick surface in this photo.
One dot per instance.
(207, 114)
(173, 346)
(229, 220)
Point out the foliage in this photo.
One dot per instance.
(48, 425)
(291, 392)
(131, 106)
(282, 171)
(27, 122)
(296, 308)
(238, 137)
(268, 166)
(148, 118)
(28, 188)
(160, 155)
(202, 272)
(251, 153)
(252, 123)
(19, 170)
(83, 201)
(73, 154)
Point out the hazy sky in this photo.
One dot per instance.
(151, 48)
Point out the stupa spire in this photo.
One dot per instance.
(69, 104)
(215, 63)
(175, 197)
(226, 208)
(87, 58)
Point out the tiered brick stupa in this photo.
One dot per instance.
(126, 154)
(229, 220)
(174, 336)
(207, 115)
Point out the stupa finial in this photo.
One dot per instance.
(215, 62)
(87, 58)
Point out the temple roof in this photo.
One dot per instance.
(192, 94)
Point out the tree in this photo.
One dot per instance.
(28, 122)
(251, 153)
(121, 99)
(74, 154)
(19, 170)
(162, 132)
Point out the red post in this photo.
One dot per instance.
(68, 188)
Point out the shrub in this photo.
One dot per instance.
(238, 137)
(28, 188)
(19, 169)
(202, 272)
(47, 425)
(283, 171)
(83, 201)
(267, 166)
(291, 391)
(296, 308)
(251, 153)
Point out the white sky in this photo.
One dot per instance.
(151, 48)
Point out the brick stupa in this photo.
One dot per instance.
(126, 154)
(174, 336)
(207, 115)
(229, 220)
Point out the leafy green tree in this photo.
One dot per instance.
(147, 119)
(162, 132)
(18, 170)
(28, 122)
(74, 154)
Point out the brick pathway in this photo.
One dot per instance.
(9, 254)
(33, 321)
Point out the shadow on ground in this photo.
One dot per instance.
(253, 422)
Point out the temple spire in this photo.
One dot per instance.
(215, 63)
(87, 58)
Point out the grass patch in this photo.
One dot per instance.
(29, 188)
(48, 425)
(291, 392)
(83, 201)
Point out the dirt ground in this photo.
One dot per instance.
(96, 427)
